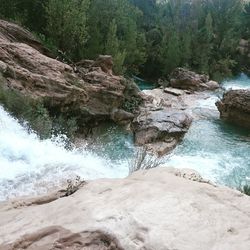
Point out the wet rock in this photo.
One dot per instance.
(184, 79)
(234, 107)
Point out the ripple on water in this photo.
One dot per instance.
(219, 151)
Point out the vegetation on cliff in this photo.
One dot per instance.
(147, 37)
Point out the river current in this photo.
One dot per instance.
(30, 166)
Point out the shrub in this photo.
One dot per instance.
(35, 116)
(245, 189)
(73, 186)
(143, 160)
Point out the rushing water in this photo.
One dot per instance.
(219, 151)
(29, 165)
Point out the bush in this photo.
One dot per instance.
(245, 189)
(35, 116)
(143, 160)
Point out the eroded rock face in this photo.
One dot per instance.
(54, 238)
(87, 91)
(184, 79)
(11, 32)
(235, 107)
(161, 130)
(162, 121)
(157, 209)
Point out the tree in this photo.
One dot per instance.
(170, 53)
(66, 25)
(112, 48)
(131, 42)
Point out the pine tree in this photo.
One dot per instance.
(170, 53)
(112, 43)
(66, 25)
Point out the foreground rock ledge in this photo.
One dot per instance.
(158, 209)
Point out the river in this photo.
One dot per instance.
(30, 166)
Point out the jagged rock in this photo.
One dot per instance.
(184, 79)
(12, 33)
(152, 210)
(161, 130)
(105, 62)
(88, 91)
(235, 107)
(121, 116)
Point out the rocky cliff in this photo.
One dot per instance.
(88, 90)
(158, 209)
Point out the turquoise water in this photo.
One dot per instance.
(144, 85)
(219, 151)
(29, 166)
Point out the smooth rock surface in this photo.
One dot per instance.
(158, 209)
(235, 107)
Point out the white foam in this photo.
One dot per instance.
(241, 82)
(23, 156)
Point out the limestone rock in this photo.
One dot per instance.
(89, 92)
(235, 107)
(166, 126)
(10, 32)
(173, 91)
(121, 116)
(157, 209)
(184, 79)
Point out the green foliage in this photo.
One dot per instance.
(131, 104)
(112, 47)
(246, 190)
(34, 115)
(144, 37)
(171, 57)
(66, 25)
(27, 110)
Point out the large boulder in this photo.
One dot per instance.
(184, 79)
(161, 130)
(163, 120)
(235, 107)
(158, 209)
(90, 92)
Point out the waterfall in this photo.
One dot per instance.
(29, 165)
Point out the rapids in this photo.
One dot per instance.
(30, 166)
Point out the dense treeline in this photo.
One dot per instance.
(146, 37)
